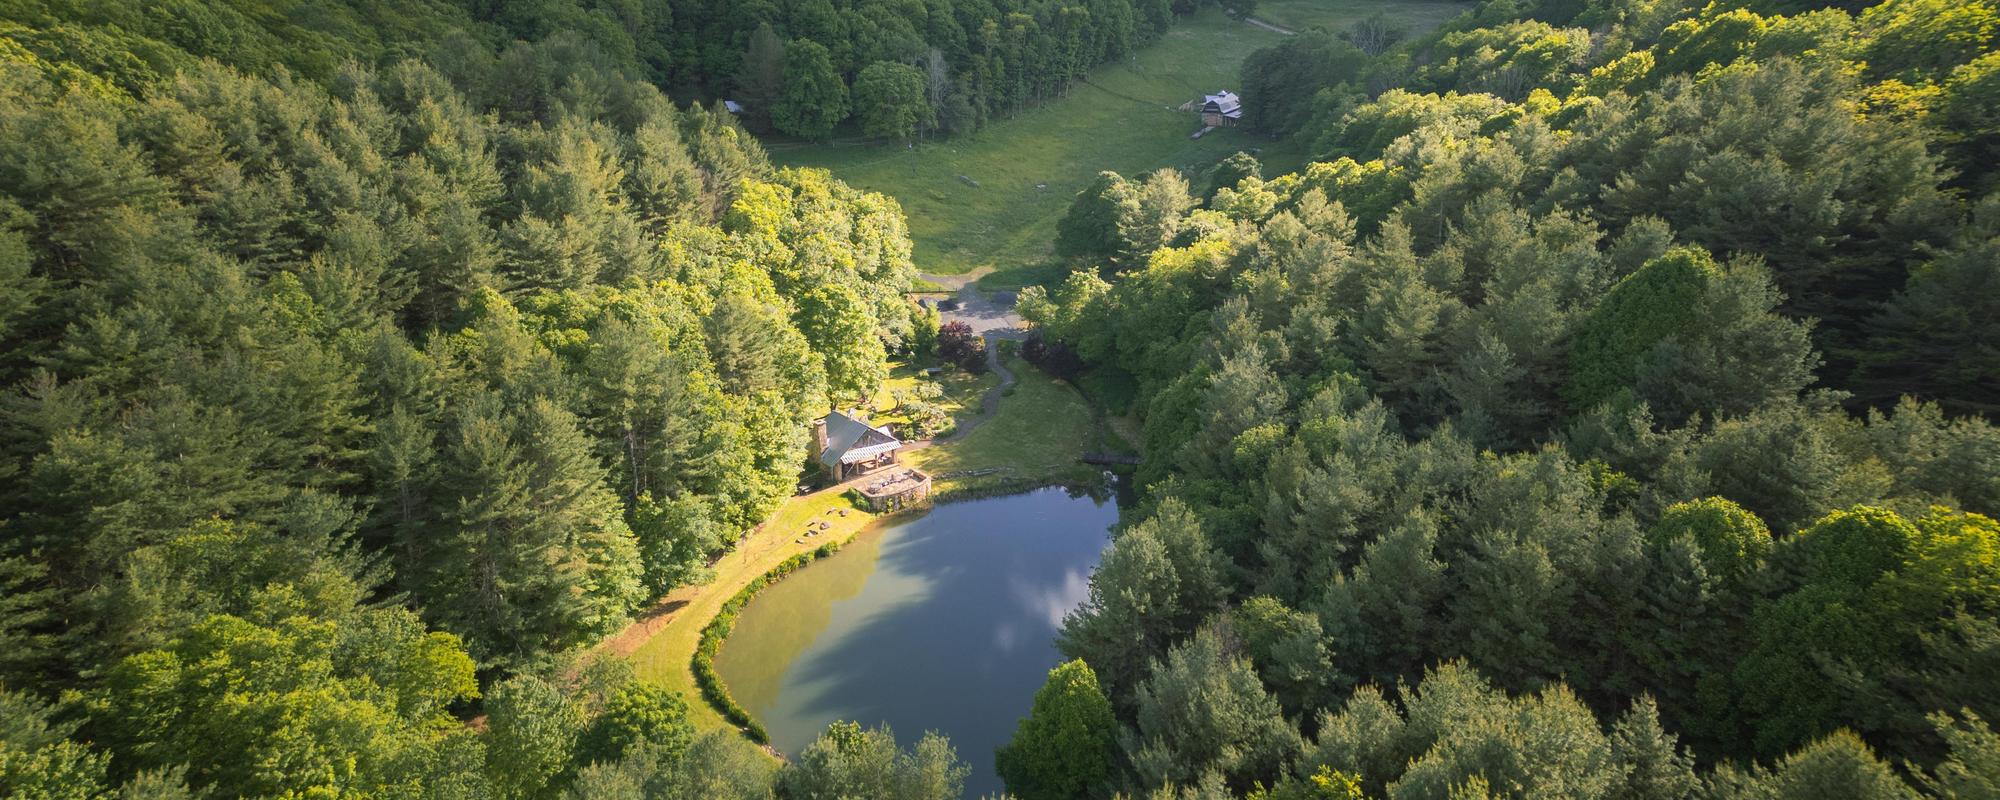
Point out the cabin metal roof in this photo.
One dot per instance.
(850, 441)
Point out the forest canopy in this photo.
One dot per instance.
(1602, 414)
(351, 393)
(789, 65)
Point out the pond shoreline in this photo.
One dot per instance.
(716, 630)
(1036, 441)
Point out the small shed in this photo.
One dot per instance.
(1221, 110)
(846, 447)
(732, 106)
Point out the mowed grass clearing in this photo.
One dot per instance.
(1042, 429)
(1030, 166)
(1415, 17)
(962, 391)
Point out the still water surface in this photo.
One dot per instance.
(945, 622)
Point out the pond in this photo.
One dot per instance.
(943, 622)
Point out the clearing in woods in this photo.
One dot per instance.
(1026, 169)
(1029, 166)
(1040, 431)
(987, 204)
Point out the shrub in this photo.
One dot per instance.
(1055, 358)
(717, 631)
(957, 344)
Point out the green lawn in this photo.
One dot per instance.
(1042, 427)
(1027, 168)
(1415, 17)
(962, 391)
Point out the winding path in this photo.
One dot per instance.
(989, 403)
(994, 320)
(1269, 27)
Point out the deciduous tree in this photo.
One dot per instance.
(890, 99)
(1066, 747)
(815, 97)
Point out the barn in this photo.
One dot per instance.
(1221, 110)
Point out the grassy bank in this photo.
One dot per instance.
(1042, 428)
(717, 630)
(662, 644)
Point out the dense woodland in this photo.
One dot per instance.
(1603, 414)
(896, 68)
(341, 408)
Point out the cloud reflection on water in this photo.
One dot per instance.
(953, 630)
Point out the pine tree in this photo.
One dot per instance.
(661, 178)
(528, 552)
(760, 81)
(28, 612)
(1202, 709)
(1289, 651)
(1937, 338)
(1154, 218)
(1156, 583)
(746, 343)
(1656, 768)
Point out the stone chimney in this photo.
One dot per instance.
(819, 437)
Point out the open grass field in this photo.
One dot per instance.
(1415, 17)
(1029, 167)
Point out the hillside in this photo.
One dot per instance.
(1557, 399)
(1602, 414)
